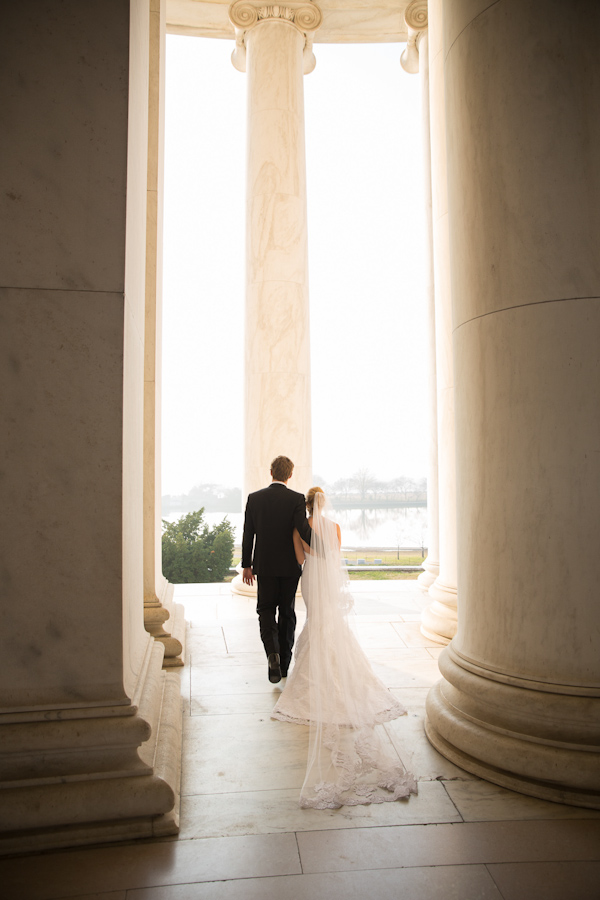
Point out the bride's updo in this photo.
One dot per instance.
(315, 496)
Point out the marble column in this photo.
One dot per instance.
(90, 724)
(519, 702)
(439, 618)
(274, 55)
(163, 619)
(273, 47)
(415, 58)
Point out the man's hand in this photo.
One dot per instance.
(247, 576)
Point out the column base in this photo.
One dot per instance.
(427, 578)
(538, 739)
(439, 620)
(95, 774)
(165, 621)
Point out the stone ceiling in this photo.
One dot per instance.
(344, 21)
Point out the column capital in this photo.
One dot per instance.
(246, 14)
(415, 17)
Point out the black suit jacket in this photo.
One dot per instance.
(271, 516)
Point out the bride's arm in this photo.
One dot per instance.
(299, 548)
(339, 534)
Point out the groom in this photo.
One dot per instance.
(271, 516)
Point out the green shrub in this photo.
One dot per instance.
(193, 552)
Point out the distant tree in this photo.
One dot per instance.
(193, 552)
(213, 497)
(342, 486)
(364, 482)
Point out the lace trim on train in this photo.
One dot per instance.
(393, 782)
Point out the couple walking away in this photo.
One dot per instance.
(331, 687)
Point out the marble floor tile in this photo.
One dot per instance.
(185, 677)
(200, 611)
(375, 619)
(435, 651)
(268, 812)
(383, 655)
(464, 843)
(410, 632)
(205, 642)
(407, 672)
(233, 704)
(228, 679)
(450, 883)
(395, 587)
(413, 698)
(418, 756)
(187, 590)
(412, 617)
(236, 608)
(548, 880)
(481, 801)
(106, 869)
(252, 658)
(242, 637)
(379, 607)
(372, 635)
(242, 753)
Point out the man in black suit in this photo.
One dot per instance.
(271, 516)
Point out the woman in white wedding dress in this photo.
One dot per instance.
(333, 689)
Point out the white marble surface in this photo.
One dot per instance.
(238, 844)
(348, 21)
(277, 353)
(61, 565)
(63, 149)
(520, 699)
(276, 810)
(75, 652)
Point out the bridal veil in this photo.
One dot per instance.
(336, 693)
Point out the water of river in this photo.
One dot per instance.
(361, 528)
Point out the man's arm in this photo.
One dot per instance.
(248, 545)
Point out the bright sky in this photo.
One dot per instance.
(366, 264)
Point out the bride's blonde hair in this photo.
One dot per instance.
(310, 498)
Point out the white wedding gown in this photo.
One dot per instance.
(333, 689)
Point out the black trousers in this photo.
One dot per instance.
(277, 594)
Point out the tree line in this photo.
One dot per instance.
(362, 485)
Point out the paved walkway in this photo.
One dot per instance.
(243, 835)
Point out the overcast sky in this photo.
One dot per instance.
(366, 264)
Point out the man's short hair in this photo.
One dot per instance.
(282, 468)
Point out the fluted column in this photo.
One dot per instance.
(273, 47)
(439, 619)
(274, 51)
(415, 58)
(519, 703)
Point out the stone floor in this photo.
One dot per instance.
(243, 835)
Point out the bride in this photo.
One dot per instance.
(332, 687)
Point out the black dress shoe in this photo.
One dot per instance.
(274, 668)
